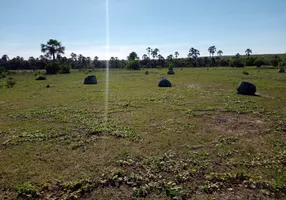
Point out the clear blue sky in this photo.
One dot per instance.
(170, 25)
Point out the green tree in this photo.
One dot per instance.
(132, 56)
(96, 63)
(176, 54)
(219, 53)
(248, 52)
(144, 57)
(170, 57)
(212, 50)
(53, 48)
(133, 64)
(193, 53)
(149, 50)
(237, 56)
(155, 52)
(5, 58)
(74, 57)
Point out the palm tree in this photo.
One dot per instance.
(73, 56)
(212, 50)
(144, 57)
(5, 58)
(193, 53)
(170, 57)
(176, 54)
(155, 53)
(53, 48)
(248, 52)
(219, 53)
(149, 50)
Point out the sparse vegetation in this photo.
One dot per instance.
(156, 143)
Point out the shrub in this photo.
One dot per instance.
(282, 64)
(133, 64)
(41, 78)
(258, 62)
(171, 67)
(236, 62)
(57, 67)
(27, 191)
(65, 69)
(10, 82)
(53, 68)
(275, 60)
(3, 70)
(249, 61)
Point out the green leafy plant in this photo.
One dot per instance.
(27, 191)
(10, 82)
(133, 65)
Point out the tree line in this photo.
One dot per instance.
(53, 52)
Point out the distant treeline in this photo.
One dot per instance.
(81, 62)
(54, 61)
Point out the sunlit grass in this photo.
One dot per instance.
(209, 138)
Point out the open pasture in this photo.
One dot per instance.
(197, 139)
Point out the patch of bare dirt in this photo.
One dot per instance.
(240, 124)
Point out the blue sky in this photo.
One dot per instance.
(170, 25)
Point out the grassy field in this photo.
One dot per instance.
(196, 140)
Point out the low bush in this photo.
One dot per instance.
(10, 82)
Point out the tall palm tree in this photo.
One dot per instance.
(193, 53)
(212, 50)
(149, 50)
(219, 53)
(53, 48)
(144, 57)
(170, 57)
(176, 54)
(155, 53)
(73, 56)
(248, 52)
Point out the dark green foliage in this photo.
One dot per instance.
(282, 64)
(236, 62)
(39, 78)
(258, 62)
(10, 82)
(245, 73)
(65, 69)
(3, 70)
(274, 61)
(27, 191)
(146, 72)
(133, 65)
(249, 61)
(53, 68)
(57, 67)
(132, 56)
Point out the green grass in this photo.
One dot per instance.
(198, 139)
